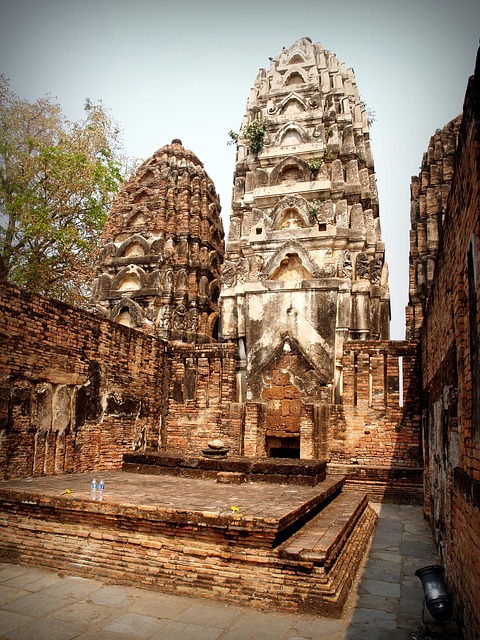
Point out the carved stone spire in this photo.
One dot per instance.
(163, 246)
(305, 257)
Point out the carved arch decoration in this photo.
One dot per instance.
(136, 219)
(132, 240)
(127, 306)
(288, 164)
(293, 77)
(288, 128)
(133, 274)
(289, 248)
(293, 345)
(295, 203)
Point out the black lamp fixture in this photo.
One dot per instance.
(437, 599)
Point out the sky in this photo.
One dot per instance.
(183, 69)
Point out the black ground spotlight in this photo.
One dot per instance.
(437, 599)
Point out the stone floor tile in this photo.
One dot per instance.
(214, 615)
(45, 629)
(7, 594)
(83, 613)
(112, 597)
(255, 625)
(160, 605)
(318, 628)
(11, 620)
(383, 572)
(380, 588)
(176, 630)
(104, 635)
(374, 618)
(369, 601)
(73, 586)
(138, 626)
(36, 604)
(379, 633)
(9, 571)
(33, 580)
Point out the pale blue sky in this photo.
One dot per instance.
(184, 69)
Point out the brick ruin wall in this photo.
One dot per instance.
(78, 392)
(201, 405)
(75, 392)
(378, 423)
(451, 374)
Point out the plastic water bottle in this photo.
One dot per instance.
(101, 487)
(93, 489)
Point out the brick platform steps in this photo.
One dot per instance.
(140, 534)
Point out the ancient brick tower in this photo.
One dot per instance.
(163, 247)
(304, 268)
(428, 199)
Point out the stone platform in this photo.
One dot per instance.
(286, 547)
(234, 469)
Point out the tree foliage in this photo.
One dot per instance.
(57, 180)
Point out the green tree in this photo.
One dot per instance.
(57, 180)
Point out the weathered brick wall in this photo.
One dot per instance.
(75, 392)
(374, 426)
(451, 374)
(201, 390)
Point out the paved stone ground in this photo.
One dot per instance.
(36, 604)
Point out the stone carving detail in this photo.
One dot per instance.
(243, 268)
(165, 319)
(229, 273)
(345, 265)
(191, 319)
(376, 271)
(179, 317)
(362, 266)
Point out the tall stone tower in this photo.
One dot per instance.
(163, 247)
(304, 268)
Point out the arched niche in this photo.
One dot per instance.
(127, 313)
(290, 260)
(291, 268)
(136, 220)
(291, 219)
(129, 282)
(129, 279)
(290, 170)
(291, 133)
(214, 291)
(291, 137)
(141, 196)
(294, 78)
(296, 58)
(124, 318)
(133, 247)
(290, 208)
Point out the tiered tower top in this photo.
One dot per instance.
(305, 258)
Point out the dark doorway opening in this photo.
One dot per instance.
(288, 447)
